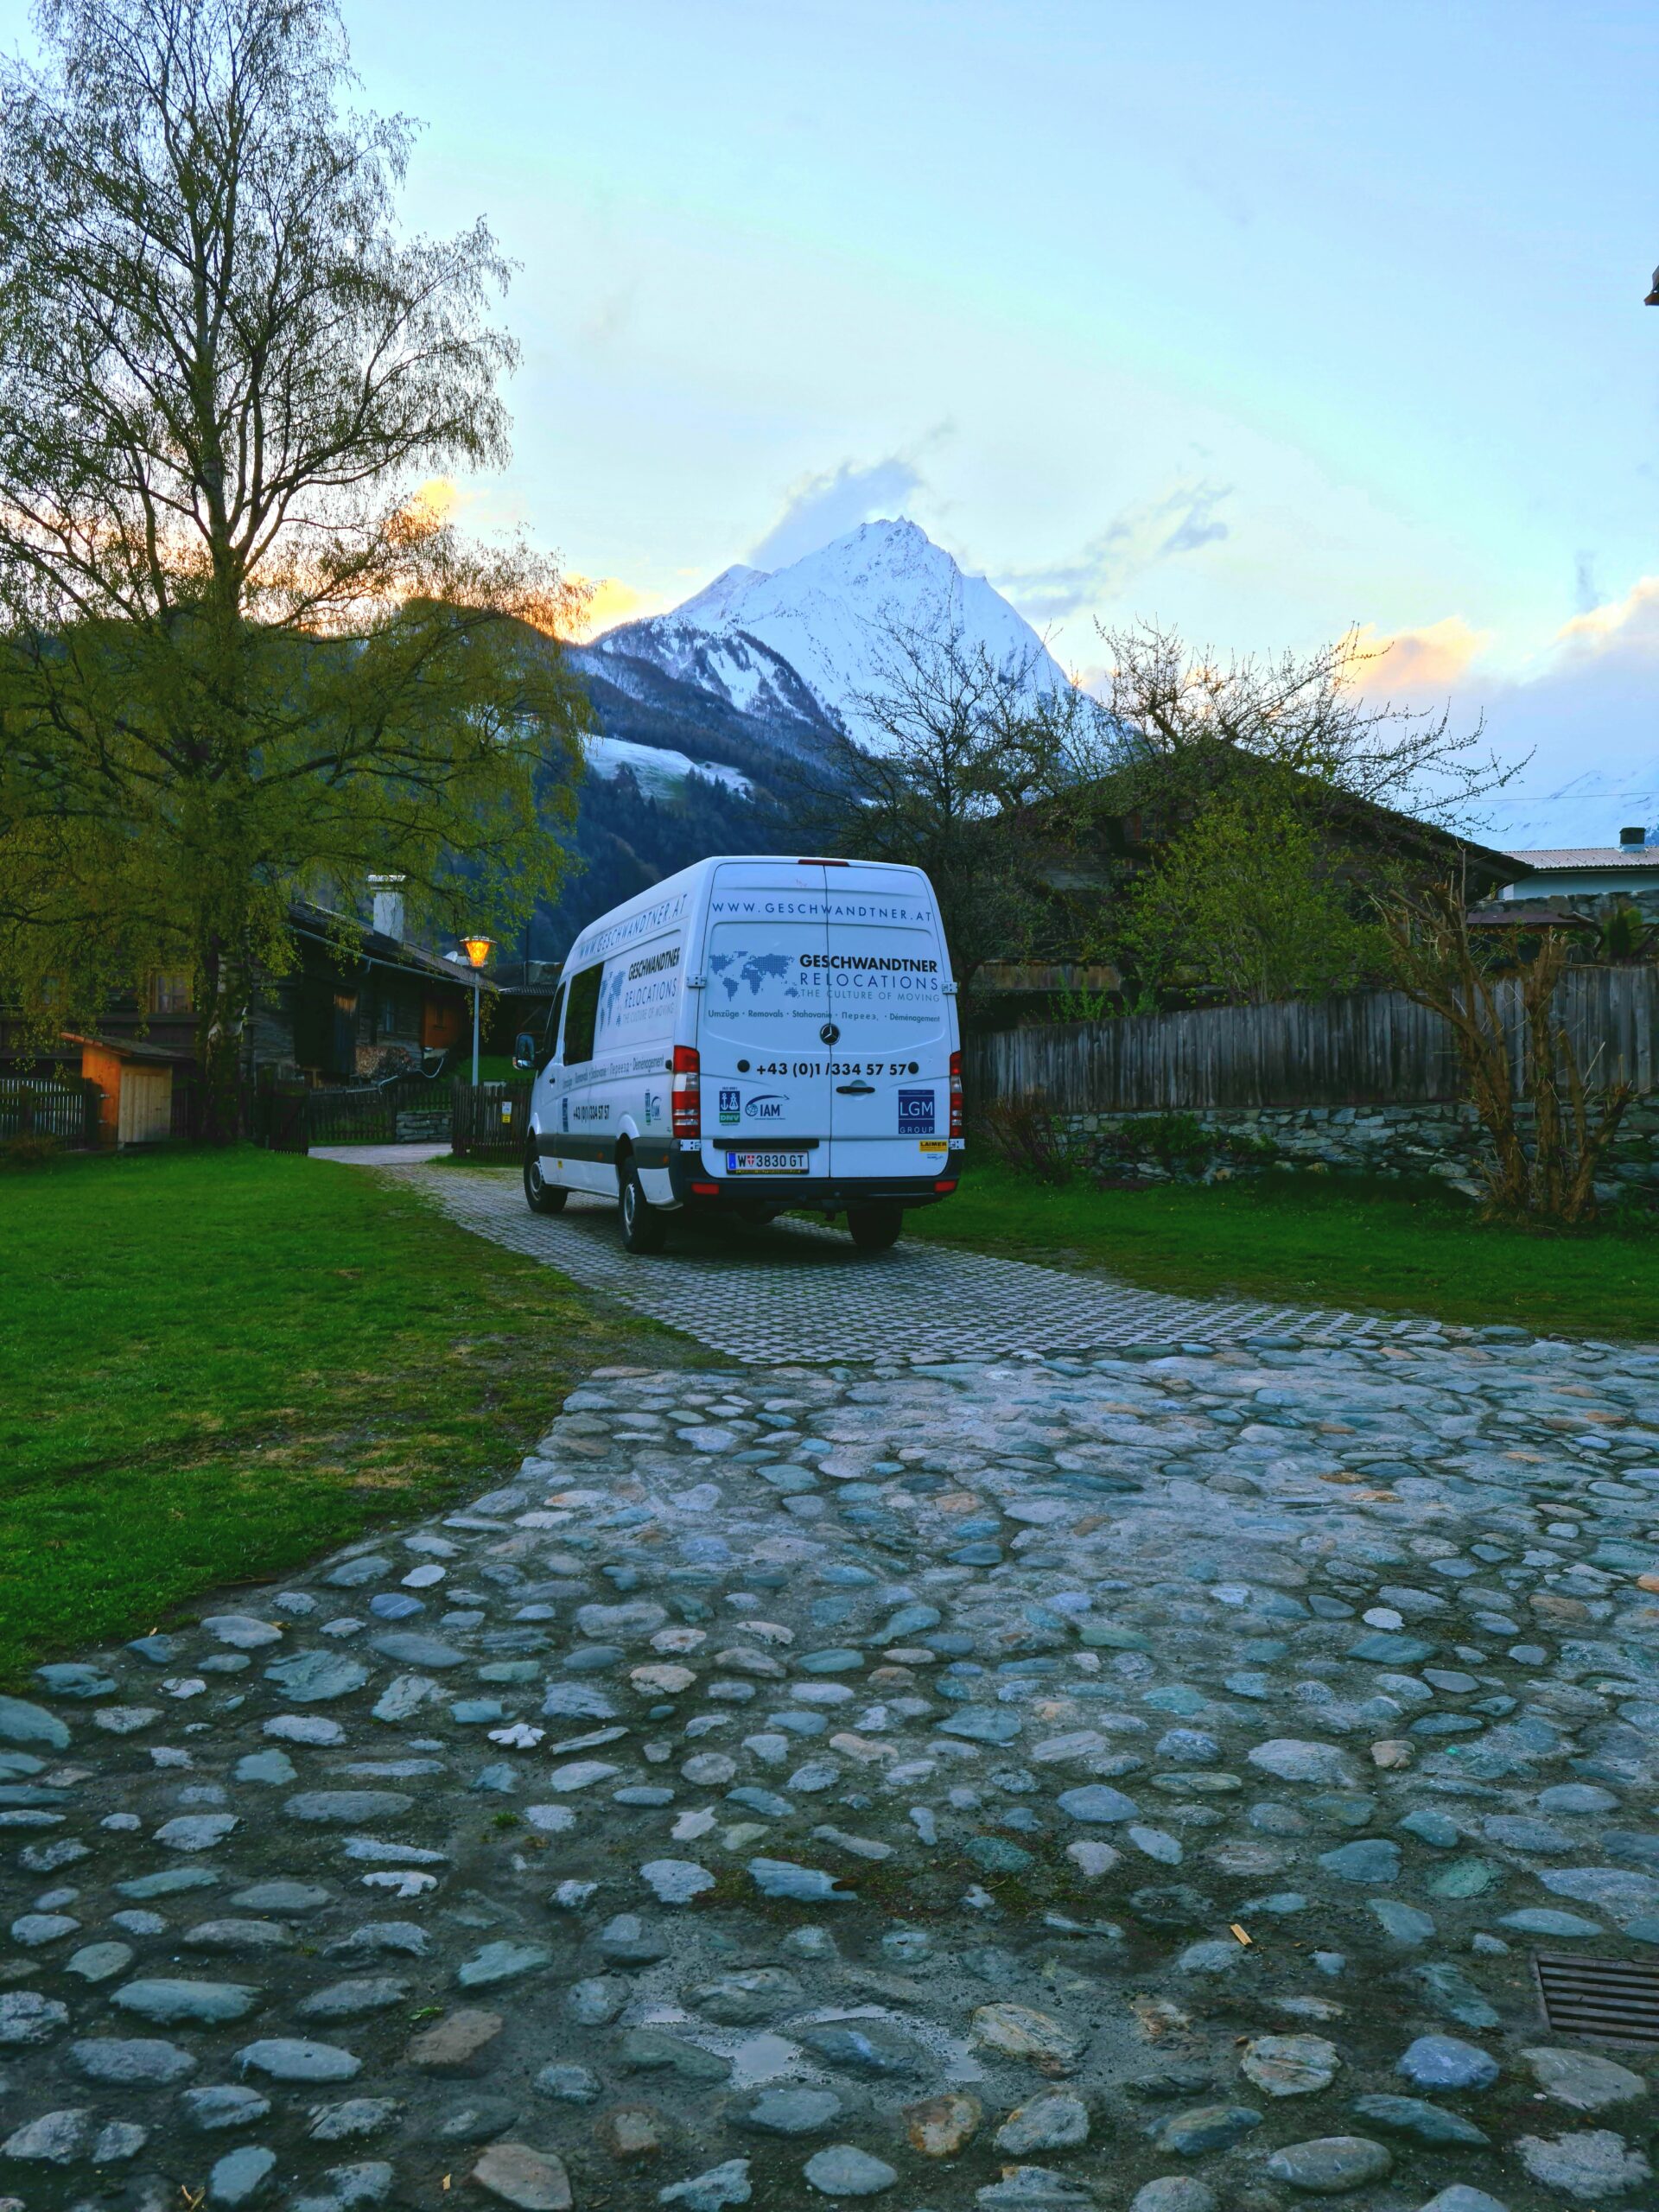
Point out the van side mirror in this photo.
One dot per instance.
(523, 1050)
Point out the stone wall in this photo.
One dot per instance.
(1445, 1141)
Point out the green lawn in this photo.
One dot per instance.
(1381, 1247)
(213, 1366)
(493, 1067)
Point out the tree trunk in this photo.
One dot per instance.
(219, 1027)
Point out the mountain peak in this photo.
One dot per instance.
(833, 614)
(705, 607)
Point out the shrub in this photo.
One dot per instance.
(1179, 1143)
(32, 1150)
(1021, 1132)
(1084, 1005)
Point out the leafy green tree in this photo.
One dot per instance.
(1250, 899)
(240, 656)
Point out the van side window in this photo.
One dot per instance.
(581, 1014)
(550, 1034)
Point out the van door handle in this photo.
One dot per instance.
(855, 1089)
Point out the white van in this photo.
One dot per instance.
(749, 1037)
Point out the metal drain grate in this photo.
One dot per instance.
(1599, 2000)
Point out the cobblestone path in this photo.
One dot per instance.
(797, 1290)
(1136, 1781)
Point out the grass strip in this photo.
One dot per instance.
(214, 1365)
(1349, 1242)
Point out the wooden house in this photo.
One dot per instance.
(354, 1005)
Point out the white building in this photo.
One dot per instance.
(1629, 867)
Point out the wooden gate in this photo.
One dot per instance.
(490, 1120)
(286, 1120)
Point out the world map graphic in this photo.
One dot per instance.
(751, 968)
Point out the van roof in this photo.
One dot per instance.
(679, 890)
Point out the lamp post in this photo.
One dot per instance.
(477, 950)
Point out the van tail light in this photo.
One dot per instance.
(687, 1092)
(955, 1097)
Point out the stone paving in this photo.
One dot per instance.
(800, 1290)
(1008, 1784)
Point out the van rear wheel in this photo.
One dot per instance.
(874, 1229)
(644, 1228)
(540, 1195)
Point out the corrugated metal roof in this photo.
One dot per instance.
(1592, 856)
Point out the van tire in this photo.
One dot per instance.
(644, 1228)
(874, 1229)
(540, 1195)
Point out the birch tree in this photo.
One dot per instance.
(241, 655)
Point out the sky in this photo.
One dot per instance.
(1261, 321)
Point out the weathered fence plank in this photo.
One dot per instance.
(1370, 1048)
(38, 1106)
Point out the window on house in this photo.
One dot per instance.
(169, 991)
(398, 1011)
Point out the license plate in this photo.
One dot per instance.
(767, 1163)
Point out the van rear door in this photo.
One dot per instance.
(765, 1004)
(890, 1102)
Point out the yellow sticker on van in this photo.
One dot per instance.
(933, 1144)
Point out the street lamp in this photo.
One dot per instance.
(478, 950)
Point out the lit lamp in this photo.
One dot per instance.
(478, 950)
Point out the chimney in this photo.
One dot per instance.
(1635, 838)
(388, 905)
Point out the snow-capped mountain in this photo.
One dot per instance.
(1589, 809)
(735, 672)
(831, 620)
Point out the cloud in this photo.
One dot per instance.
(438, 500)
(1181, 522)
(608, 600)
(1582, 709)
(1435, 658)
(1627, 624)
(826, 507)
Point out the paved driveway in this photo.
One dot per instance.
(989, 1786)
(1142, 1781)
(797, 1290)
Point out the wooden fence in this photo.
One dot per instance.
(38, 1106)
(385, 1113)
(1371, 1048)
(489, 1120)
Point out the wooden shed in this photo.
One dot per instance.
(135, 1087)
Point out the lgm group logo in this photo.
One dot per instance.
(916, 1113)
